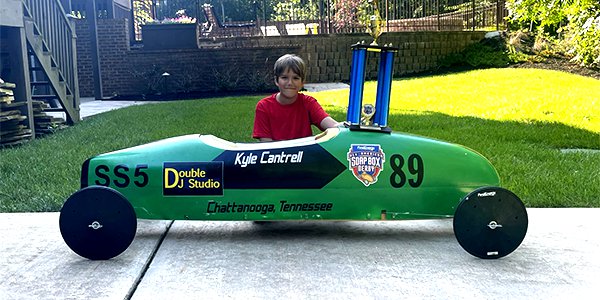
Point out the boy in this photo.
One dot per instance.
(289, 114)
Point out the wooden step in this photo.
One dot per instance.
(44, 96)
(54, 109)
(40, 83)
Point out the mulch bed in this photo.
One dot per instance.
(560, 64)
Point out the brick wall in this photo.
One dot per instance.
(113, 41)
(84, 60)
(246, 63)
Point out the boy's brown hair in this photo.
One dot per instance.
(292, 62)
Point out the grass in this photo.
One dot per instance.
(522, 95)
(517, 118)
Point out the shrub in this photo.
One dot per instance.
(575, 23)
(584, 38)
(490, 52)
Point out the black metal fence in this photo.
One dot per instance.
(323, 16)
(430, 15)
(105, 9)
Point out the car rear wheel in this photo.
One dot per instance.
(490, 222)
(97, 222)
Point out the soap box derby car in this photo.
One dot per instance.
(353, 172)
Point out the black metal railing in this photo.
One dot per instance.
(401, 15)
(438, 15)
(104, 8)
(411, 15)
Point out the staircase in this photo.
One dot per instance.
(52, 57)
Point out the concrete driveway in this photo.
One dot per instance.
(303, 260)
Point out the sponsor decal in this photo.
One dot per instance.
(192, 178)
(366, 162)
(486, 194)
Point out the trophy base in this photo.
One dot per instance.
(370, 128)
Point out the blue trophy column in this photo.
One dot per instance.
(384, 87)
(357, 81)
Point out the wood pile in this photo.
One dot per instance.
(45, 124)
(13, 128)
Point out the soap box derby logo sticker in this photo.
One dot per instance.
(193, 178)
(365, 162)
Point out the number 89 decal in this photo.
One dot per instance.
(414, 166)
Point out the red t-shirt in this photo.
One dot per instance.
(285, 122)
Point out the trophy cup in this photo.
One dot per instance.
(375, 22)
(368, 110)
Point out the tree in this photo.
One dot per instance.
(142, 11)
(583, 32)
(575, 22)
(236, 10)
(295, 10)
(350, 14)
(142, 14)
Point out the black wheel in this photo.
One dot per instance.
(490, 222)
(97, 223)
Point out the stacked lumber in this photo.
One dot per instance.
(45, 124)
(13, 130)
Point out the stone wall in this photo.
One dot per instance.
(246, 63)
(329, 56)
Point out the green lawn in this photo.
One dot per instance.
(518, 118)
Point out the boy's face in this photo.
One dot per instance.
(289, 83)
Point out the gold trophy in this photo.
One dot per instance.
(368, 110)
(375, 22)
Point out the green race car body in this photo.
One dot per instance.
(339, 175)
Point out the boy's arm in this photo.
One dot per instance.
(316, 112)
(329, 122)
